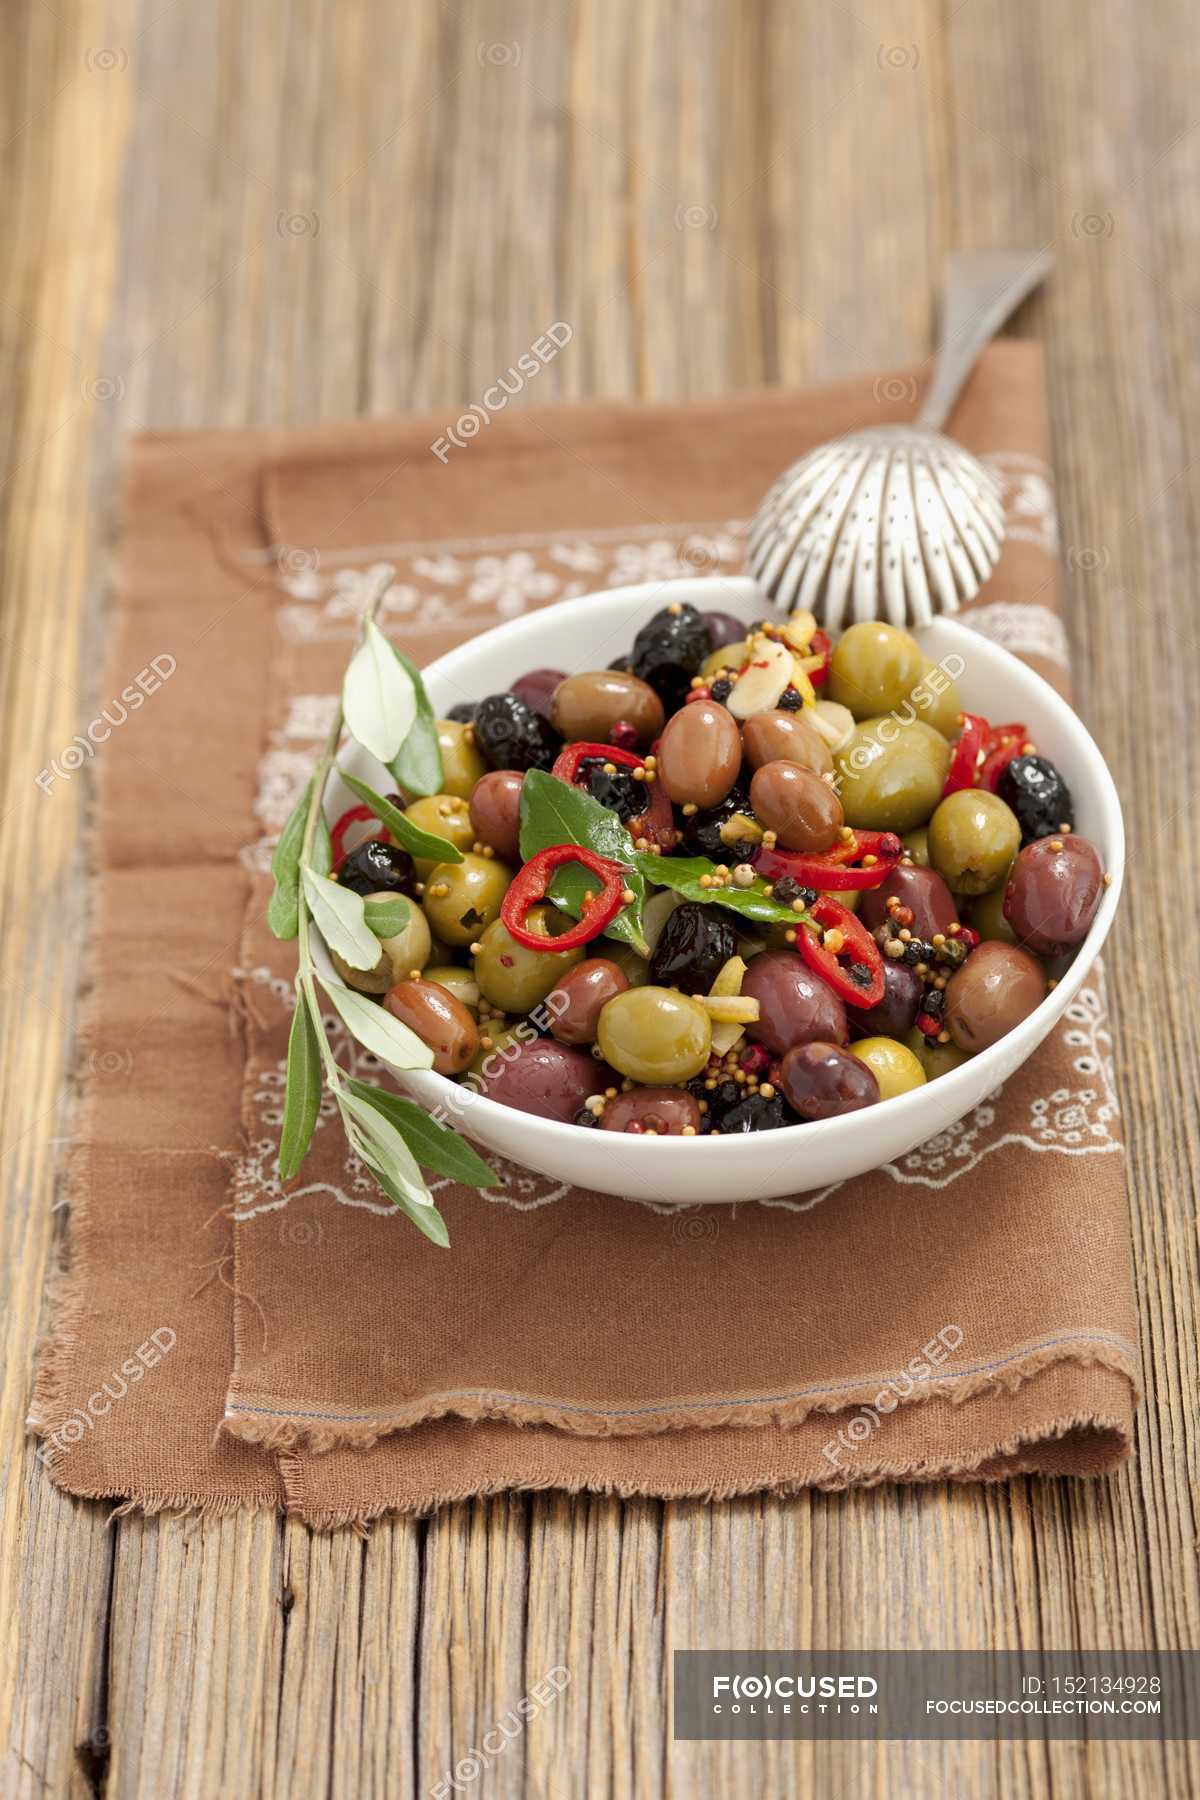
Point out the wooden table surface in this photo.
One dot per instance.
(226, 214)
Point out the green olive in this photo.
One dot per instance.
(655, 1035)
(895, 1067)
(462, 899)
(497, 1040)
(935, 1059)
(917, 844)
(457, 981)
(446, 816)
(874, 668)
(366, 981)
(986, 914)
(514, 977)
(410, 947)
(633, 967)
(973, 837)
(936, 700)
(892, 775)
(462, 764)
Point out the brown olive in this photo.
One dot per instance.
(1053, 893)
(922, 890)
(820, 1081)
(802, 810)
(785, 737)
(439, 1020)
(586, 707)
(653, 1112)
(997, 987)
(496, 812)
(794, 1005)
(699, 754)
(574, 1002)
(536, 1075)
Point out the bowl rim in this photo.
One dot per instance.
(902, 1106)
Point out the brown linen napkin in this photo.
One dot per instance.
(968, 1312)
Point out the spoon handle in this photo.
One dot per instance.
(983, 287)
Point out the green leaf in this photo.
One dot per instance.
(378, 697)
(391, 1162)
(410, 837)
(375, 1028)
(385, 917)
(683, 874)
(302, 1101)
(339, 916)
(323, 848)
(434, 1145)
(554, 812)
(427, 1219)
(283, 911)
(417, 768)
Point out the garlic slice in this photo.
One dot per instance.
(758, 688)
(834, 722)
(728, 983)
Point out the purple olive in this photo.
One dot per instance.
(1053, 893)
(537, 687)
(795, 1006)
(819, 1081)
(923, 890)
(897, 1012)
(547, 1079)
(997, 987)
(723, 629)
(668, 1112)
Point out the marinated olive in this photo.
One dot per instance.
(586, 707)
(727, 833)
(539, 1076)
(986, 915)
(729, 656)
(496, 812)
(936, 1059)
(874, 668)
(576, 1000)
(374, 867)
(997, 987)
(510, 735)
(820, 1081)
(654, 1035)
(723, 629)
(799, 807)
(462, 899)
(457, 981)
(1053, 893)
(462, 765)
(699, 754)
(694, 943)
(973, 838)
(669, 649)
(366, 981)
(439, 1020)
(922, 890)
(653, 1112)
(916, 843)
(892, 775)
(409, 948)
(536, 689)
(896, 1013)
(1039, 797)
(794, 1005)
(511, 975)
(785, 737)
(936, 700)
(893, 1065)
(446, 816)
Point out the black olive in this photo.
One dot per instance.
(511, 735)
(464, 712)
(791, 700)
(1037, 793)
(376, 868)
(668, 651)
(721, 689)
(787, 889)
(622, 664)
(702, 830)
(585, 1116)
(695, 942)
(755, 1114)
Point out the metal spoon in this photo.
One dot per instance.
(899, 521)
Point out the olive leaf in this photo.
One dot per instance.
(410, 837)
(283, 911)
(392, 1164)
(302, 1100)
(434, 1145)
(375, 1028)
(554, 812)
(378, 697)
(683, 873)
(338, 914)
(386, 915)
(417, 766)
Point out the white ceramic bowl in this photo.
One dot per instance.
(588, 633)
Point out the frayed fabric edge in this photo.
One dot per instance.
(296, 1433)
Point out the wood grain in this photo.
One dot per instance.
(302, 210)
